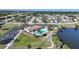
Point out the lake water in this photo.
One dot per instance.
(70, 36)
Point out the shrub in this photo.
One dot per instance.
(17, 40)
(29, 46)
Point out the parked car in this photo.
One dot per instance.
(9, 36)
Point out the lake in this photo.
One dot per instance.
(69, 36)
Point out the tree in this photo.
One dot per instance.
(17, 40)
(76, 27)
(44, 19)
(17, 19)
(0, 26)
(63, 27)
(61, 46)
(29, 46)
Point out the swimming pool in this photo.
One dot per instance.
(40, 32)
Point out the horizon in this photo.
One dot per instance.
(54, 10)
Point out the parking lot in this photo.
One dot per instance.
(9, 36)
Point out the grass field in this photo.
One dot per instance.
(6, 27)
(2, 46)
(23, 40)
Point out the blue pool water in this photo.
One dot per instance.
(39, 32)
(70, 36)
(42, 30)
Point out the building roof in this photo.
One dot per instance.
(36, 27)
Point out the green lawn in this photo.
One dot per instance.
(6, 27)
(2, 46)
(23, 40)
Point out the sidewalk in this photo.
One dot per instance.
(52, 43)
(8, 45)
(49, 38)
